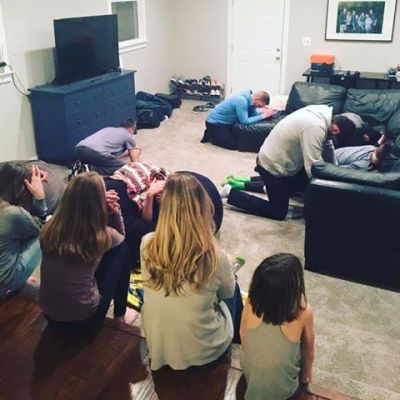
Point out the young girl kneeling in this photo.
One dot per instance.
(277, 330)
(85, 262)
(190, 291)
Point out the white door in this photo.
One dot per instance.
(256, 48)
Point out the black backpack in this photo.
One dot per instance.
(147, 118)
(174, 100)
(162, 105)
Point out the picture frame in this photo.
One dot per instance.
(360, 20)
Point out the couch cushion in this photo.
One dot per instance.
(375, 106)
(305, 94)
(330, 172)
(251, 137)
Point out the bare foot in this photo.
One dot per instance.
(31, 281)
(129, 317)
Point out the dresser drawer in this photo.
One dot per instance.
(86, 117)
(118, 104)
(83, 99)
(122, 86)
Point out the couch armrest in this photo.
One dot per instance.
(330, 172)
(351, 232)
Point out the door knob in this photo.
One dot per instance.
(277, 58)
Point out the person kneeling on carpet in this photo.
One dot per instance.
(244, 108)
(102, 150)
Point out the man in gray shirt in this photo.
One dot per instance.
(285, 159)
(103, 149)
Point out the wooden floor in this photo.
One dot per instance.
(38, 363)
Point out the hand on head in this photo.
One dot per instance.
(35, 185)
(112, 201)
(156, 188)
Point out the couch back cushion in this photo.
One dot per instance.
(304, 94)
(374, 106)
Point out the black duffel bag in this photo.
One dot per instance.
(174, 100)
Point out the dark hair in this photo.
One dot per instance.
(129, 123)
(277, 289)
(12, 185)
(347, 130)
(263, 96)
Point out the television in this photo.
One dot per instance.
(85, 47)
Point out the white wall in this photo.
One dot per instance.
(29, 33)
(200, 38)
(307, 19)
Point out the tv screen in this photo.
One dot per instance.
(85, 47)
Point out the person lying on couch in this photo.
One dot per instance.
(285, 159)
(245, 108)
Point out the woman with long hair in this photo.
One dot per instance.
(186, 277)
(85, 262)
(22, 212)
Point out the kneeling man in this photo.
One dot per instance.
(285, 159)
(245, 108)
(102, 150)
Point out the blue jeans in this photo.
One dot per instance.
(235, 306)
(26, 263)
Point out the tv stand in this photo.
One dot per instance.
(65, 114)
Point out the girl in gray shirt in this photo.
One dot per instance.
(187, 277)
(21, 192)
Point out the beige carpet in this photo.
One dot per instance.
(357, 329)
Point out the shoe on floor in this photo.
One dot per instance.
(206, 138)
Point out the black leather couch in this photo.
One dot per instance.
(352, 223)
(352, 217)
(377, 107)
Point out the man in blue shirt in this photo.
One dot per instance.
(245, 108)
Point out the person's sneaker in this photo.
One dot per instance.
(238, 263)
(224, 192)
(295, 212)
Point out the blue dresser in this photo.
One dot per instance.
(64, 115)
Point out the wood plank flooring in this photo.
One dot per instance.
(39, 363)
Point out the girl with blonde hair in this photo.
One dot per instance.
(187, 277)
(85, 262)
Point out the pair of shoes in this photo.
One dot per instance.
(209, 105)
(77, 168)
(295, 213)
(224, 192)
(199, 108)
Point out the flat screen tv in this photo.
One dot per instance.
(85, 47)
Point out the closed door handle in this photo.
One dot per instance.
(277, 58)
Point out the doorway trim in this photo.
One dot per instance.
(230, 44)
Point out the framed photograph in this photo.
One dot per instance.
(360, 20)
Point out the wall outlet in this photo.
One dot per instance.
(306, 41)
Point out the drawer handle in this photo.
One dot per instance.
(77, 102)
(79, 121)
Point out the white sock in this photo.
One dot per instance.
(224, 192)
